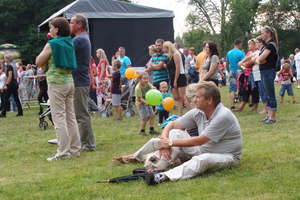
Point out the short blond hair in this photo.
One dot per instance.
(163, 83)
(117, 63)
(141, 74)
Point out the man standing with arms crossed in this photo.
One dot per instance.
(82, 81)
(233, 57)
(160, 73)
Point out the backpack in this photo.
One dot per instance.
(278, 62)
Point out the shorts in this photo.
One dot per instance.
(116, 99)
(298, 74)
(288, 88)
(232, 79)
(220, 81)
(181, 81)
(145, 111)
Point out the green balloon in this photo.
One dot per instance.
(154, 97)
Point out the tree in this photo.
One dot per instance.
(226, 20)
(284, 16)
(20, 20)
(195, 38)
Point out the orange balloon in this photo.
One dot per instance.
(129, 73)
(135, 75)
(168, 103)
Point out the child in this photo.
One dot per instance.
(116, 87)
(145, 110)
(162, 113)
(286, 84)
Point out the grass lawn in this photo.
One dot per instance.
(269, 168)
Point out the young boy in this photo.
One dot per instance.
(162, 113)
(145, 110)
(286, 84)
(116, 88)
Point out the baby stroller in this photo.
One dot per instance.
(126, 100)
(127, 97)
(43, 124)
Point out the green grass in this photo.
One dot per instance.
(269, 168)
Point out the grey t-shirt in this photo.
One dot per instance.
(82, 47)
(214, 59)
(222, 129)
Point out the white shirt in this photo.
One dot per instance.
(297, 60)
(2, 80)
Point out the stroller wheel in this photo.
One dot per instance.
(43, 125)
(104, 114)
(132, 112)
(128, 113)
(110, 113)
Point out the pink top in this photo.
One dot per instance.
(99, 69)
(248, 70)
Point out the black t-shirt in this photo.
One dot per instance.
(271, 58)
(13, 81)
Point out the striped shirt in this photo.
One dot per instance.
(162, 74)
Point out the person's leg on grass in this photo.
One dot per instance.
(182, 95)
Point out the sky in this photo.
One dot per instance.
(180, 9)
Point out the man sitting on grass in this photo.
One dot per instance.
(218, 146)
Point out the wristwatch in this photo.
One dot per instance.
(170, 143)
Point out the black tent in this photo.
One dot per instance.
(113, 24)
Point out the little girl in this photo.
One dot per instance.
(286, 84)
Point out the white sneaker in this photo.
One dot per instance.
(298, 87)
(54, 158)
(158, 124)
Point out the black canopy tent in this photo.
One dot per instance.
(113, 24)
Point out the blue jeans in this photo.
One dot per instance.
(261, 91)
(233, 77)
(267, 81)
(288, 88)
(13, 102)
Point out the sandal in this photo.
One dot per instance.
(253, 110)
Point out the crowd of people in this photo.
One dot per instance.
(66, 70)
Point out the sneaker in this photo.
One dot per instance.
(294, 102)
(270, 121)
(265, 119)
(154, 132)
(54, 158)
(159, 124)
(18, 115)
(151, 169)
(118, 119)
(1, 115)
(154, 178)
(298, 87)
(143, 134)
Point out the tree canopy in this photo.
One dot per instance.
(19, 21)
(227, 20)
